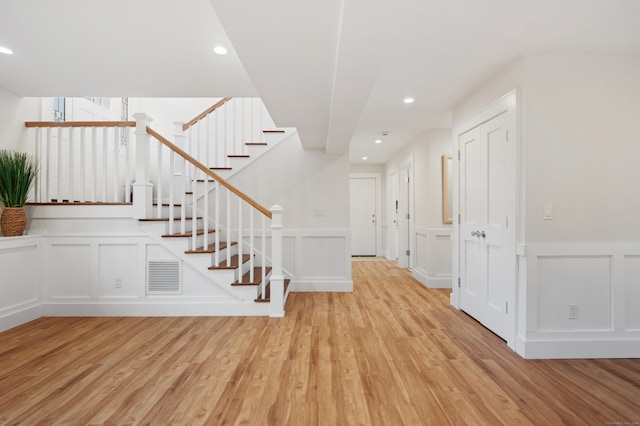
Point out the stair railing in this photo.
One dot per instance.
(82, 161)
(229, 209)
(221, 131)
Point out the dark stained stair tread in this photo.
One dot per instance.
(268, 291)
(257, 276)
(256, 143)
(210, 249)
(220, 168)
(234, 262)
(188, 234)
(237, 156)
(165, 219)
(273, 131)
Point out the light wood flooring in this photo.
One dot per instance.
(390, 353)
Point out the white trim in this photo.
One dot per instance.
(175, 307)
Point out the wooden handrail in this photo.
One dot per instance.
(204, 113)
(80, 124)
(210, 173)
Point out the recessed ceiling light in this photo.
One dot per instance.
(377, 141)
(5, 50)
(408, 100)
(220, 50)
(364, 158)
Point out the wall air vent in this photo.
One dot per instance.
(163, 277)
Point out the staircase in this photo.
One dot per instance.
(185, 206)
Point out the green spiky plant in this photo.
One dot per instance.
(17, 173)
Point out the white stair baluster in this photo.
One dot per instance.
(83, 160)
(47, 160)
(229, 228)
(251, 246)
(216, 223)
(38, 158)
(171, 200)
(128, 169)
(94, 164)
(60, 167)
(105, 163)
(264, 251)
(116, 163)
(183, 201)
(205, 211)
(71, 171)
(240, 245)
(159, 178)
(194, 211)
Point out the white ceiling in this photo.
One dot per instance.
(337, 70)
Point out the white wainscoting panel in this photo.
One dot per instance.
(69, 271)
(21, 271)
(583, 281)
(118, 262)
(632, 292)
(433, 257)
(602, 280)
(316, 260)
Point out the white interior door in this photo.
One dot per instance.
(403, 218)
(363, 216)
(394, 214)
(487, 244)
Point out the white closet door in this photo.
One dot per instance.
(487, 258)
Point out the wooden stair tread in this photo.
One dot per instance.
(211, 248)
(188, 234)
(268, 291)
(165, 219)
(257, 276)
(273, 131)
(234, 262)
(238, 156)
(255, 143)
(167, 205)
(202, 180)
(220, 168)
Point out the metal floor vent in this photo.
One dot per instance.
(163, 277)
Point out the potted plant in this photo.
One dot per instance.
(17, 173)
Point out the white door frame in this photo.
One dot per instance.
(378, 178)
(505, 103)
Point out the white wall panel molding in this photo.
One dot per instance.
(21, 266)
(579, 300)
(433, 257)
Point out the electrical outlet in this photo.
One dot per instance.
(118, 282)
(573, 311)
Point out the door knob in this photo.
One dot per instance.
(482, 234)
(475, 234)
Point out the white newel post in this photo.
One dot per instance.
(142, 187)
(276, 306)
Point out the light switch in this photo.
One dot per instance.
(548, 212)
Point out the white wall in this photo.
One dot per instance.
(582, 138)
(578, 148)
(432, 238)
(14, 111)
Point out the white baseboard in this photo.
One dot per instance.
(20, 315)
(431, 282)
(159, 309)
(315, 286)
(587, 348)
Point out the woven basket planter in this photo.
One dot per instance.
(13, 221)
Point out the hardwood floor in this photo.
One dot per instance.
(391, 353)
